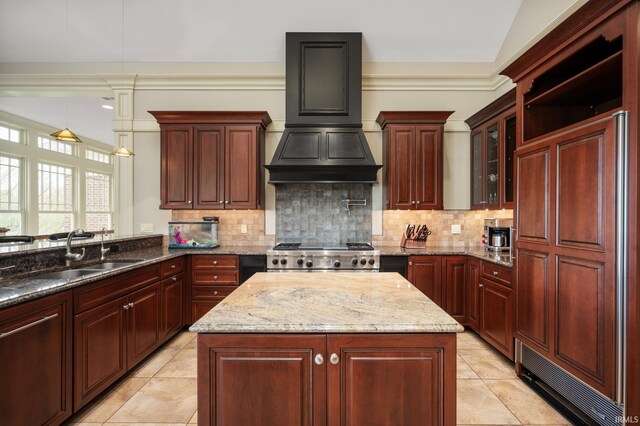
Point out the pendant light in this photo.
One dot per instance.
(65, 134)
(122, 151)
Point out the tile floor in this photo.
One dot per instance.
(162, 390)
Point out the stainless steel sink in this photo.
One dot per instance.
(66, 275)
(109, 265)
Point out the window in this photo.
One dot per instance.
(97, 156)
(11, 135)
(10, 190)
(55, 146)
(98, 201)
(55, 199)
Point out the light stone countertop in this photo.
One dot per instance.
(345, 302)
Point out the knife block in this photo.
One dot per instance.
(409, 243)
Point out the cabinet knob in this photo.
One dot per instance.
(175, 278)
(410, 263)
(189, 202)
(413, 202)
(319, 359)
(125, 307)
(495, 273)
(418, 202)
(173, 266)
(480, 285)
(215, 277)
(215, 262)
(226, 202)
(215, 293)
(221, 202)
(334, 359)
(131, 305)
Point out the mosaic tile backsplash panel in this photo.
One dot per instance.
(317, 213)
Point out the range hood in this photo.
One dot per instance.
(323, 139)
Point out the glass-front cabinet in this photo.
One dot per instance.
(493, 142)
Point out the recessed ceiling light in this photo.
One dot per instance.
(105, 106)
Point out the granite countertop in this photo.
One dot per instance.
(501, 258)
(300, 302)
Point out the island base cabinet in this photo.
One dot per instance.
(354, 379)
(35, 362)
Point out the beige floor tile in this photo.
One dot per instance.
(478, 405)
(470, 340)
(169, 400)
(72, 422)
(194, 419)
(184, 364)
(464, 371)
(145, 424)
(527, 406)
(181, 340)
(102, 408)
(487, 364)
(193, 344)
(155, 363)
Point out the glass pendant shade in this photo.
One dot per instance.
(66, 135)
(123, 152)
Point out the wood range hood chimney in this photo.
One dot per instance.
(323, 139)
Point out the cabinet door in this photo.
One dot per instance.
(35, 361)
(428, 176)
(208, 163)
(401, 167)
(477, 170)
(492, 166)
(508, 160)
(261, 379)
(176, 170)
(497, 316)
(455, 287)
(99, 350)
(425, 274)
(143, 321)
(172, 306)
(241, 167)
(391, 379)
(473, 291)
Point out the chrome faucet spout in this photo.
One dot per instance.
(103, 251)
(69, 256)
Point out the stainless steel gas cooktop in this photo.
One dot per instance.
(320, 258)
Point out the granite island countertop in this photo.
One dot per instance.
(343, 302)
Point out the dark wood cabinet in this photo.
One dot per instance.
(473, 293)
(172, 305)
(496, 316)
(144, 323)
(425, 272)
(212, 159)
(493, 143)
(412, 146)
(455, 287)
(213, 277)
(36, 361)
(327, 379)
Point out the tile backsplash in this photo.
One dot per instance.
(318, 213)
(229, 231)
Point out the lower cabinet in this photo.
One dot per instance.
(455, 287)
(425, 273)
(143, 323)
(172, 305)
(35, 361)
(213, 277)
(473, 293)
(385, 379)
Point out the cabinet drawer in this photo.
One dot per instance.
(498, 273)
(172, 267)
(214, 262)
(211, 292)
(222, 277)
(95, 294)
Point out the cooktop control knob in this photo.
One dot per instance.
(309, 264)
(274, 261)
(354, 261)
(336, 264)
(371, 261)
(363, 261)
(283, 261)
(300, 261)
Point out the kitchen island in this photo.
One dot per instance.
(334, 348)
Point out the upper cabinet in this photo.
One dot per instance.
(212, 159)
(413, 161)
(493, 142)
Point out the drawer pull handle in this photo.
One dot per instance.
(175, 278)
(215, 293)
(24, 327)
(319, 359)
(173, 266)
(215, 262)
(334, 359)
(495, 273)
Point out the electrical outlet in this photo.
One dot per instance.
(243, 228)
(146, 228)
(456, 229)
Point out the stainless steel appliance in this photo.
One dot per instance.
(354, 257)
(497, 234)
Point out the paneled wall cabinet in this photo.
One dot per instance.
(212, 159)
(35, 361)
(412, 148)
(493, 142)
(570, 147)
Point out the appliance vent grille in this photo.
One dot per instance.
(602, 410)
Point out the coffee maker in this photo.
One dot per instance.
(497, 234)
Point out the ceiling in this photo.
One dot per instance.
(249, 30)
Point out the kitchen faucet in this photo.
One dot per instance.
(103, 250)
(69, 256)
